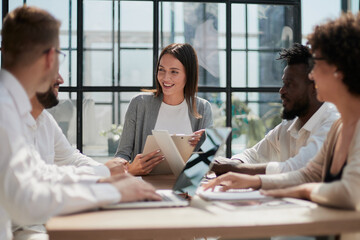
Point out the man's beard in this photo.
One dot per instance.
(299, 109)
(47, 99)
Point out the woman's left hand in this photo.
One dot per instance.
(302, 191)
(196, 137)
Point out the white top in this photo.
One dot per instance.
(31, 191)
(287, 147)
(175, 119)
(53, 147)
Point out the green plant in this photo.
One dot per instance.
(246, 123)
(114, 132)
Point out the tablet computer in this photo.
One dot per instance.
(181, 142)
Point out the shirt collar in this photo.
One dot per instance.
(294, 127)
(314, 120)
(311, 123)
(31, 121)
(17, 92)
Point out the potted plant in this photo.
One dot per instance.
(113, 134)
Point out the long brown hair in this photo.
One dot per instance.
(186, 54)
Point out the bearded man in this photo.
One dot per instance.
(296, 140)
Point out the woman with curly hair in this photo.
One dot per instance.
(332, 177)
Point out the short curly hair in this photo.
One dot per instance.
(297, 54)
(339, 43)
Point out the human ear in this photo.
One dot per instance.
(50, 58)
(338, 75)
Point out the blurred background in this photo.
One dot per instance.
(112, 47)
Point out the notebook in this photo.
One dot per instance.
(191, 175)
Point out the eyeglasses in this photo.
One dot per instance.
(62, 55)
(311, 61)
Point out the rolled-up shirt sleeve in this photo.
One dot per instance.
(312, 146)
(264, 151)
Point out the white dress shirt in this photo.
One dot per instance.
(288, 146)
(53, 147)
(30, 190)
(46, 135)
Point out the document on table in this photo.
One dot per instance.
(236, 194)
(252, 199)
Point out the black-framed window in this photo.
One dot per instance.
(118, 43)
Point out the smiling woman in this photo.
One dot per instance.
(172, 106)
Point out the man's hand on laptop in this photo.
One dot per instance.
(196, 137)
(223, 165)
(131, 188)
(144, 164)
(117, 166)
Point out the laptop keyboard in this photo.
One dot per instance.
(169, 196)
(166, 198)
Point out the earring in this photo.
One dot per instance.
(316, 86)
(335, 74)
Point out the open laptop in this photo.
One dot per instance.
(191, 176)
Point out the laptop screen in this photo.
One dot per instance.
(200, 163)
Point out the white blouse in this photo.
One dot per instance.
(175, 119)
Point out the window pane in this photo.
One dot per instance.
(136, 68)
(14, 4)
(261, 69)
(355, 5)
(97, 68)
(136, 45)
(97, 27)
(60, 10)
(102, 66)
(253, 115)
(63, 11)
(311, 14)
(65, 115)
(264, 70)
(222, 69)
(68, 68)
(218, 105)
(203, 26)
(98, 39)
(238, 68)
(136, 24)
(238, 30)
(270, 26)
(103, 112)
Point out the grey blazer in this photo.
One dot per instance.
(141, 118)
